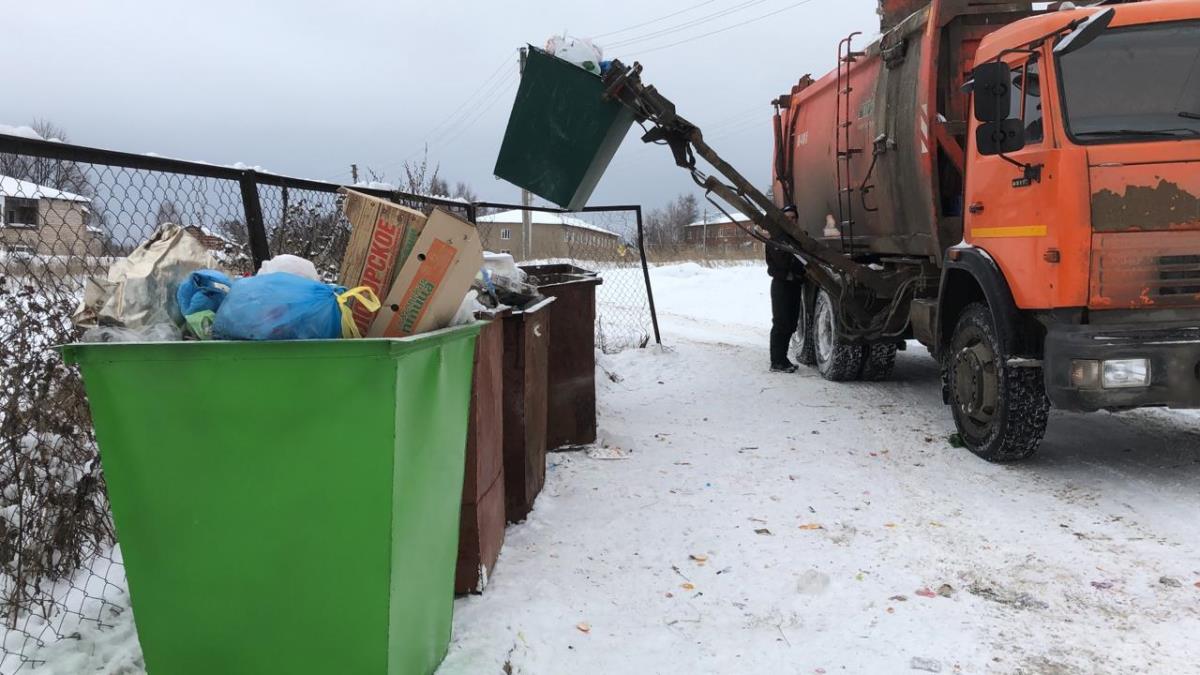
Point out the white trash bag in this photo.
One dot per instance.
(286, 262)
(579, 51)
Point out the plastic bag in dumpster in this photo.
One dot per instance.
(284, 306)
(199, 297)
(139, 290)
(579, 51)
(502, 284)
(201, 290)
(159, 332)
(286, 262)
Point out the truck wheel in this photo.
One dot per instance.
(802, 340)
(878, 361)
(1000, 410)
(836, 359)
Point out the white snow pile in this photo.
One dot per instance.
(22, 131)
(731, 520)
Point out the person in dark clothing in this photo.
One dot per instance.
(787, 285)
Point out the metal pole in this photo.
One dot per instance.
(526, 200)
(259, 249)
(646, 275)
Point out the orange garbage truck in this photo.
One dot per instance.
(1037, 172)
(1016, 187)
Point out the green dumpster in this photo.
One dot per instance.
(561, 133)
(286, 507)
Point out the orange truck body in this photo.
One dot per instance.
(881, 155)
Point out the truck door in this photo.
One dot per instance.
(1009, 206)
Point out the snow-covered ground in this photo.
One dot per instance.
(747, 522)
(765, 523)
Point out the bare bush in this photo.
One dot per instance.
(54, 515)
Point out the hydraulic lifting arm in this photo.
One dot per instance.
(863, 291)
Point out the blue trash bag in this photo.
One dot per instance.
(279, 306)
(202, 290)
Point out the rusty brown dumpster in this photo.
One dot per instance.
(572, 359)
(481, 525)
(526, 338)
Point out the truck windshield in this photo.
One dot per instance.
(1135, 83)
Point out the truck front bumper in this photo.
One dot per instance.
(1172, 349)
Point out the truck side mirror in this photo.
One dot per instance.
(992, 86)
(999, 137)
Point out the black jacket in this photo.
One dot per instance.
(783, 264)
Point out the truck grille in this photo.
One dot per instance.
(1179, 274)
(1139, 269)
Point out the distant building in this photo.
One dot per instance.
(211, 240)
(555, 235)
(39, 220)
(718, 235)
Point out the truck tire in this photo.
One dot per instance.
(878, 361)
(1000, 410)
(802, 350)
(837, 360)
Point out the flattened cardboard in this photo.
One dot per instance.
(433, 280)
(382, 235)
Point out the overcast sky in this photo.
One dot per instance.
(306, 88)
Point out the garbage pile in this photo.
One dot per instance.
(403, 273)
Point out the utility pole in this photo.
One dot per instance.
(526, 200)
(354, 173)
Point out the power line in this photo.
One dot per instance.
(487, 96)
(687, 24)
(647, 23)
(452, 119)
(467, 120)
(496, 96)
(722, 30)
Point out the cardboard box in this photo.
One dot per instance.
(434, 279)
(382, 234)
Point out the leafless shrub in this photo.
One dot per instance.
(54, 514)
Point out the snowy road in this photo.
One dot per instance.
(782, 524)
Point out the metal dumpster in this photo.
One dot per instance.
(561, 133)
(481, 527)
(286, 507)
(527, 336)
(572, 358)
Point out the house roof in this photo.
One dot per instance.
(15, 187)
(542, 218)
(718, 218)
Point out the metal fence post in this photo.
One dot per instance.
(259, 249)
(646, 274)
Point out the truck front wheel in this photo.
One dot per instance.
(1000, 410)
(837, 360)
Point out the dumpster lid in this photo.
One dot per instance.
(545, 276)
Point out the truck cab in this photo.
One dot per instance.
(1082, 193)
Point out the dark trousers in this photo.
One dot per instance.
(786, 296)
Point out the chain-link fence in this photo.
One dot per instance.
(603, 239)
(66, 213)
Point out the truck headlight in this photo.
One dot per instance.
(1085, 374)
(1118, 373)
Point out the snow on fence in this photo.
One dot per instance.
(67, 212)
